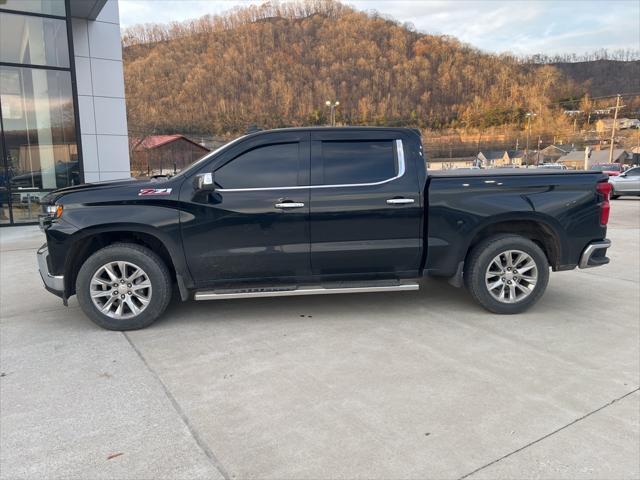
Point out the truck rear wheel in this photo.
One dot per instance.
(123, 287)
(507, 274)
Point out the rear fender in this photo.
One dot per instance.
(511, 223)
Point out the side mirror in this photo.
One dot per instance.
(204, 182)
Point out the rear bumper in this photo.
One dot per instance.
(595, 254)
(53, 283)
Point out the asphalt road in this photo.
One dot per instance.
(397, 385)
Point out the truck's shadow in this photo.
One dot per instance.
(435, 297)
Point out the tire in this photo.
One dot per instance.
(483, 269)
(149, 293)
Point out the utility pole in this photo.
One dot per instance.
(613, 128)
(538, 154)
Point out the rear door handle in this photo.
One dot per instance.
(289, 205)
(400, 201)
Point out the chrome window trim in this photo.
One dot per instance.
(401, 171)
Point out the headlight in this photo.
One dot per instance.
(54, 211)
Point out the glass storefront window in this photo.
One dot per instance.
(45, 7)
(4, 189)
(38, 148)
(25, 206)
(39, 133)
(33, 40)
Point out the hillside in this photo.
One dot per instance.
(276, 65)
(603, 77)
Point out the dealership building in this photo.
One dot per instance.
(63, 115)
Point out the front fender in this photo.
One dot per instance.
(69, 235)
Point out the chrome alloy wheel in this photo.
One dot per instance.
(511, 276)
(120, 290)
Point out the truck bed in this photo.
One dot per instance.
(562, 203)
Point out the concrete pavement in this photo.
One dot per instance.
(398, 385)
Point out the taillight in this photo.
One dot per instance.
(604, 189)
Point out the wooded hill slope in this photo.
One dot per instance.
(604, 77)
(277, 64)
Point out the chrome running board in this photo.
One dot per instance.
(292, 292)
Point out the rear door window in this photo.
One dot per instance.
(354, 162)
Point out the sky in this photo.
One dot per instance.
(521, 27)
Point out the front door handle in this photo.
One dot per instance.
(289, 205)
(400, 201)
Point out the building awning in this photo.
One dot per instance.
(88, 9)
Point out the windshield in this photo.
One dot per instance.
(197, 164)
(612, 167)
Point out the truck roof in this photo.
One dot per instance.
(354, 128)
(349, 127)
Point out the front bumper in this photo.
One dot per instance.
(44, 221)
(53, 283)
(595, 254)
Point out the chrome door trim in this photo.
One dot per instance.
(401, 171)
(400, 201)
(289, 205)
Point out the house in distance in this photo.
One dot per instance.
(575, 159)
(162, 154)
(501, 158)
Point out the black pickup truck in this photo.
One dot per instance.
(308, 211)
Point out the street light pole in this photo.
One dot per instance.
(526, 151)
(332, 106)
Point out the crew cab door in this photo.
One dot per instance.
(254, 226)
(366, 212)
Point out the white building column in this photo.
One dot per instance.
(101, 99)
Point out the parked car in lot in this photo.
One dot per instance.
(611, 169)
(627, 183)
(553, 166)
(309, 211)
(65, 173)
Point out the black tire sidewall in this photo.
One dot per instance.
(153, 266)
(479, 261)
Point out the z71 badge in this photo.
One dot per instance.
(154, 191)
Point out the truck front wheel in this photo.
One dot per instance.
(507, 273)
(124, 286)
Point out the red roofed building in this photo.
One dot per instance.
(158, 154)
